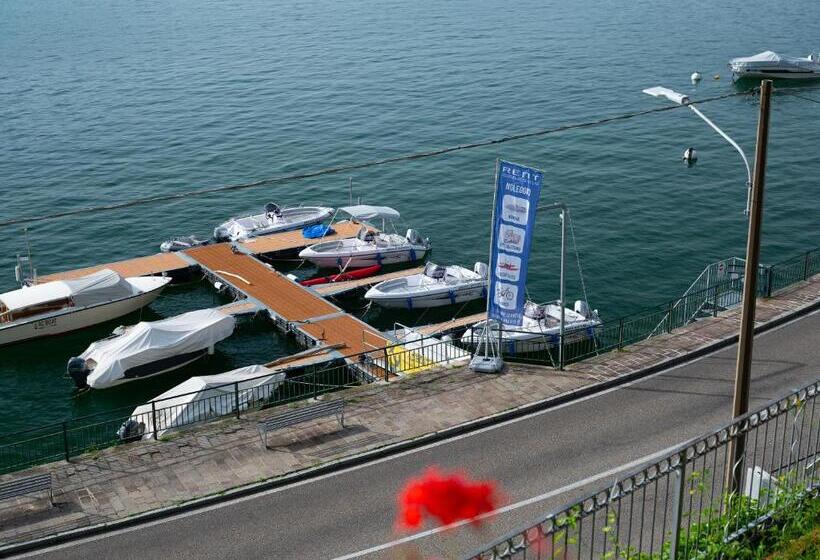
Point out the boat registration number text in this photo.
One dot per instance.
(45, 323)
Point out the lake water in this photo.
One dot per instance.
(102, 102)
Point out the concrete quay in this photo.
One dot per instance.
(208, 461)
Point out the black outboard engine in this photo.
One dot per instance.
(131, 430)
(78, 370)
(272, 209)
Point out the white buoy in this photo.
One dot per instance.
(690, 156)
(696, 77)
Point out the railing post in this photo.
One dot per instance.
(678, 483)
(236, 397)
(806, 261)
(769, 277)
(472, 341)
(621, 334)
(669, 318)
(154, 418)
(315, 385)
(386, 365)
(715, 301)
(65, 441)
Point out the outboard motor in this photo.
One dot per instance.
(220, 234)
(582, 308)
(131, 430)
(272, 210)
(481, 269)
(78, 370)
(414, 237)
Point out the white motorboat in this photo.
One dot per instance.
(769, 64)
(272, 220)
(370, 246)
(181, 243)
(62, 306)
(150, 348)
(202, 398)
(435, 287)
(540, 328)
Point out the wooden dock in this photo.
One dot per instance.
(291, 306)
(161, 263)
(338, 288)
(170, 263)
(290, 241)
(451, 325)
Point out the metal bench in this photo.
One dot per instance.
(299, 415)
(28, 485)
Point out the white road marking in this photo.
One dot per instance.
(367, 464)
(511, 507)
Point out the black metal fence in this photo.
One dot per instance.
(91, 433)
(680, 506)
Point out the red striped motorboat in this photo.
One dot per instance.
(344, 276)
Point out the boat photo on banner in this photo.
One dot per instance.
(517, 190)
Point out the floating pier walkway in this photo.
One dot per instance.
(326, 330)
(169, 264)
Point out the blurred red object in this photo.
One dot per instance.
(445, 497)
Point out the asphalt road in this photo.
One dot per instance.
(344, 514)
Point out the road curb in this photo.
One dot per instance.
(391, 449)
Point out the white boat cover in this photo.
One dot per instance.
(766, 56)
(200, 398)
(147, 342)
(100, 287)
(366, 212)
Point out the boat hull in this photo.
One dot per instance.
(438, 298)
(151, 369)
(364, 259)
(233, 230)
(530, 342)
(72, 320)
(775, 75)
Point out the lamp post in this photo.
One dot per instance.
(736, 449)
(683, 99)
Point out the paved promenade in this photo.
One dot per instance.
(212, 458)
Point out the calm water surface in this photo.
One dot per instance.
(102, 102)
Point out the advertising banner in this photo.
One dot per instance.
(516, 201)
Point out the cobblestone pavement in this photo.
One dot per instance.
(214, 457)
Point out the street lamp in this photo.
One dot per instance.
(682, 99)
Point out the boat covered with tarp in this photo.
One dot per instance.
(150, 348)
(769, 64)
(202, 398)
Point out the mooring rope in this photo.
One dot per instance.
(342, 168)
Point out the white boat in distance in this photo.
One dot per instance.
(272, 220)
(62, 306)
(769, 64)
(540, 328)
(437, 286)
(369, 247)
(150, 348)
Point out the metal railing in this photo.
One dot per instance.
(91, 433)
(678, 507)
